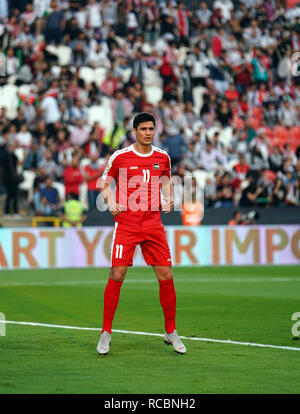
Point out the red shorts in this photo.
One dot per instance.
(152, 240)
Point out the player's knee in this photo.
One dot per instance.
(165, 273)
(117, 274)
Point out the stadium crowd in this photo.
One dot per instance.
(221, 80)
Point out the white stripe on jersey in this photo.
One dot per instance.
(112, 158)
(131, 148)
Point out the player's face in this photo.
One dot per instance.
(144, 133)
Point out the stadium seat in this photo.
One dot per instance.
(27, 184)
(211, 131)
(99, 75)
(295, 143)
(281, 132)
(64, 54)
(87, 74)
(102, 114)
(152, 78)
(26, 89)
(198, 92)
(294, 134)
(292, 3)
(229, 166)
(9, 100)
(238, 123)
(257, 113)
(201, 176)
(268, 132)
(84, 162)
(154, 94)
(225, 136)
(10, 90)
(83, 198)
(255, 122)
(20, 154)
(126, 73)
(55, 71)
(271, 175)
(60, 189)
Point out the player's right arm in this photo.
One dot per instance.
(107, 194)
(109, 175)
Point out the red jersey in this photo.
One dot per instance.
(92, 184)
(138, 184)
(72, 179)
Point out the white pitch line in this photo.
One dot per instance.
(223, 341)
(145, 281)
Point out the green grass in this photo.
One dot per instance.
(211, 303)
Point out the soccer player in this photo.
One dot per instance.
(141, 171)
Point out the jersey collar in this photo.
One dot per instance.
(142, 155)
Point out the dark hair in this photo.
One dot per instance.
(143, 117)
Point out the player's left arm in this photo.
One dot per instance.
(167, 189)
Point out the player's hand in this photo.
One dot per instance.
(168, 205)
(114, 208)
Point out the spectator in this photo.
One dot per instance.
(225, 196)
(275, 159)
(241, 170)
(236, 219)
(55, 24)
(92, 173)
(12, 62)
(11, 180)
(211, 159)
(33, 158)
(293, 193)
(24, 137)
(73, 178)
(210, 192)
(74, 214)
(49, 164)
(78, 112)
(121, 106)
(175, 145)
(204, 14)
(50, 109)
(279, 193)
(287, 114)
(80, 133)
(50, 200)
(250, 193)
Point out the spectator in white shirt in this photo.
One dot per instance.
(287, 114)
(204, 14)
(50, 109)
(40, 7)
(24, 137)
(226, 7)
(211, 159)
(80, 133)
(12, 62)
(94, 14)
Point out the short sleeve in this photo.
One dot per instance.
(167, 167)
(112, 167)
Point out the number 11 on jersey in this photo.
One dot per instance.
(119, 251)
(146, 176)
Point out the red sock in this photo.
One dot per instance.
(111, 300)
(167, 298)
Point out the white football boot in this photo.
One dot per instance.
(103, 344)
(174, 340)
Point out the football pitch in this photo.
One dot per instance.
(250, 306)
